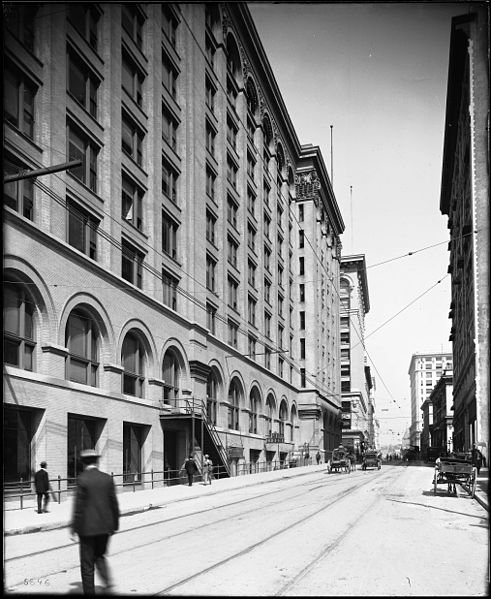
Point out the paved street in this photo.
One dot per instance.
(365, 533)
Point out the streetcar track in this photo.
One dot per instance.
(328, 548)
(253, 546)
(171, 519)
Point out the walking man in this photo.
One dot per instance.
(95, 518)
(43, 487)
(191, 469)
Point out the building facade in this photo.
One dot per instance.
(442, 402)
(465, 200)
(424, 372)
(161, 275)
(356, 382)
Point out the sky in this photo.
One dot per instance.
(377, 73)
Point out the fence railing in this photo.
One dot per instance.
(136, 481)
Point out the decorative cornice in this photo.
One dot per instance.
(57, 350)
(113, 368)
(199, 370)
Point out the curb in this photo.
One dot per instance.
(130, 511)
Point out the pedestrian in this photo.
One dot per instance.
(318, 457)
(191, 469)
(207, 469)
(95, 518)
(43, 487)
(476, 458)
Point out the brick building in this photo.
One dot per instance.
(164, 295)
(465, 200)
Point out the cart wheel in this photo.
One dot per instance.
(473, 482)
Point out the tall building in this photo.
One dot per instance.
(465, 200)
(356, 381)
(424, 372)
(163, 291)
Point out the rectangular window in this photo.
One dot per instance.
(232, 209)
(345, 338)
(210, 227)
(232, 92)
(301, 238)
(169, 25)
(280, 335)
(251, 273)
(210, 95)
(251, 201)
(301, 265)
(18, 195)
(300, 213)
(211, 313)
(267, 258)
(210, 51)
(85, 18)
(251, 311)
(301, 292)
(267, 291)
(302, 348)
(266, 190)
(345, 354)
(132, 23)
(267, 358)
(82, 230)
(301, 315)
(132, 79)
(131, 264)
(233, 330)
(251, 128)
(20, 22)
(210, 273)
(210, 139)
(267, 325)
(169, 76)
(345, 370)
(251, 164)
(81, 148)
(303, 378)
(232, 251)
(280, 305)
(231, 134)
(19, 95)
(169, 128)
(82, 84)
(169, 182)
(131, 139)
(251, 237)
(133, 435)
(280, 275)
(210, 183)
(232, 173)
(169, 288)
(252, 347)
(132, 203)
(169, 235)
(232, 293)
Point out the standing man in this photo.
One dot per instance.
(191, 468)
(41, 483)
(95, 518)
(318, 457)
(207, 470)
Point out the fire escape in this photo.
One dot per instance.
(190, 413)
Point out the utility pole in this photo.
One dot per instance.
(29, 174)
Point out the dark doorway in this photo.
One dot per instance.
(81, 435)
(17, 431)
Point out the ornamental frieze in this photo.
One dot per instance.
(307, 185)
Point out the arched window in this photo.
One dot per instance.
(280, 160)
(251, 97)
(82, 341)
(18, 310)
(234, 396)
(269, 414)
(283, 416)
(212, 397)
(171, 373)
(268, 133)
(293, 420)
(133, 361)
(255, 404)
(233, 58)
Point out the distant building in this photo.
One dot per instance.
(424, 372)
(356, 381)
(465, 200)
(427, 423)
(441, 428)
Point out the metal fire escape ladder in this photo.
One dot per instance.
(214, 436)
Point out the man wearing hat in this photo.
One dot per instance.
(95, 518)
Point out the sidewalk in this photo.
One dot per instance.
(17, 521)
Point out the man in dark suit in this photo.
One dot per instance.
(95, 518)
(41, 483)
